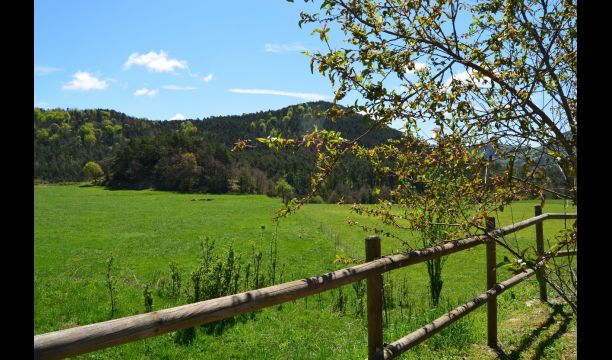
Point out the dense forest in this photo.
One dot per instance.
(195, 155)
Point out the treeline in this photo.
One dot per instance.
(195, 155)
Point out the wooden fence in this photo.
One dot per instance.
(83, 339)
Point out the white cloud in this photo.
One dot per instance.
(155, 62)
(417, 66)
(44, 70)
(304, 96)
(278, 48)
(145, 91)
(85, 81)
(468, 77)
(461, 77)
(369, 113)
(177, 87)
(177, 117)
(208, 77)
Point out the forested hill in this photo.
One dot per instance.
(195, 154)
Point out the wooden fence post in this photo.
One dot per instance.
(375, 298)
(491, 281)
(540, 252)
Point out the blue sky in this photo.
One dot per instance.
(167, 59)
(178, 59)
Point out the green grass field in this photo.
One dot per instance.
(78, 228)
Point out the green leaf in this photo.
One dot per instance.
(503, 264)
(554, 247)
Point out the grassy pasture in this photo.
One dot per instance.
(78, 228)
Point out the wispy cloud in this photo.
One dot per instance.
(156, 62)
(41, 104)
(177, 87)
(145, 91)
(207, 78)
(177, 117)
(85, 81)
(44, 70)
(278, 48)
(304, 96)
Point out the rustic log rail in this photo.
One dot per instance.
(87, 338)
(416, 337)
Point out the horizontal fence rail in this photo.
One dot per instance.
(565, 253)
(409, 341)
(87, 338)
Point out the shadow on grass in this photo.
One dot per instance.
(218, 327)
(185, 337)
(529, 340)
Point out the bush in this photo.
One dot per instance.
(40, 181)
(284, 190)
(333, 197)
(317, 199)
(93, 171)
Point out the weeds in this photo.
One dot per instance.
(175, 277)
(403, 300)
(110, 285)
(256, 265)
(359, 288)
(148, 299)
(339, 301)
(196, 277)
(431, 236)
(388, 299)
(185, 336)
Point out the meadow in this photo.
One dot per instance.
(78, 228)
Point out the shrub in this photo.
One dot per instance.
(317, 199)
(92, 171)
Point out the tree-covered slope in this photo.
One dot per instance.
(195, 154)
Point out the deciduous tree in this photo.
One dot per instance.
(93, 171)
(284, 190)
(497, 81)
